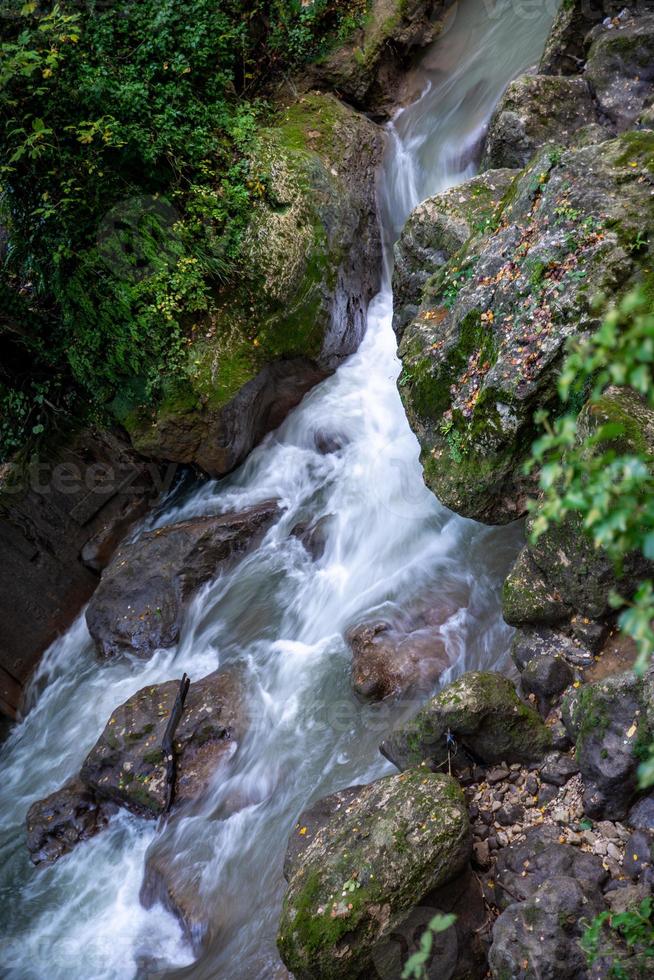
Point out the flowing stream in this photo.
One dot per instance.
(390, 545)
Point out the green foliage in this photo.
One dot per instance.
(624, 940)
(126, 182)
(601, 470)
(415, 966)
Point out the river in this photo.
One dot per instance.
(389, 544)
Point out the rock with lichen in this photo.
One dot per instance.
(537, 109)
(127, 763)
(363, 867)
(483, 352)
(435, 231)
(478, 718)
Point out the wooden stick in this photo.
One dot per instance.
(167, 741)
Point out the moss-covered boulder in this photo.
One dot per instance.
(435, 231)
(562, 578)
(365, 866)
(483, 352)
(127, 764)
(486, 718)
(311, 261)
(536, 109)
(370, 67)
(620, 70)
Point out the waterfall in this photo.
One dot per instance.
(280, 614)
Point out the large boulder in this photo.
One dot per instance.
(64, 819)
(620, 70)
(561, 580)
(311, 260)
(140, 602)
(365, 868)
(486, 718)
(538, 939)
(368, 70)
(435, 231)
(537, 109)
(609, 722)
(61, 518)
(127, 763)
(484, 350)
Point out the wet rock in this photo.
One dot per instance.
(538, 939)
(523, 867)
(166, 882)
(140, 602)
(89, 486)
(127, 764)
(607, 719)
(487, 719)
(388, 662)
(483, 351)
(546, 794)
(313, 536)
(481, 855)
(558, 769)
(641, 814)
(397, 840)
(437, 229)
(536, 109)
(62, 820)
(620, 71)
(310, 261)
(510, 814)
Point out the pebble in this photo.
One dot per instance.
(613, 852)
(497, 776)
(531, 785)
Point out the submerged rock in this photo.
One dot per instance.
(485, 716)
(127, 764)
(140, 602)
(310, 263)
(62, 820)
(536, 109)
(374, 858)
(389, 662)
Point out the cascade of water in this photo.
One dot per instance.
(279, 614)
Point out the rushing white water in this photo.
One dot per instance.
(280, 615)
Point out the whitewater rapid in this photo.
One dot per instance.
(280, 615)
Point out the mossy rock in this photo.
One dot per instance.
(484, 714)
(312, 245)
(620, 70)
(566, 46)
(536, 109)
(369, 68)
(564, 561)
(527, 597)
(436, 230)
(484, 350)
(365, 867)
